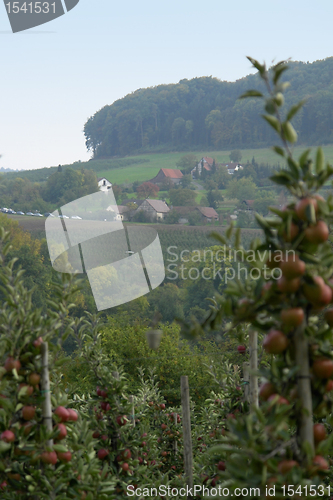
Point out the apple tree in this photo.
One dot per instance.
(286, 299)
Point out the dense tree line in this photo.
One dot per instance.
(61, 187)
(205, 112)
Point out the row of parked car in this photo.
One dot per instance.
(37, 214)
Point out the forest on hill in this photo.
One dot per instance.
(205, 112)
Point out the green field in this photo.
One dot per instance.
(146, 171)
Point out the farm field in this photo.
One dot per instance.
(145, 166)
(178, 235)
(155, 162)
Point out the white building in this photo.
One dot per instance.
(104, 184)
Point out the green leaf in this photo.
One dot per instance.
(295, 109)
(273, 122)
(310, 213)
(281, 178)
(278, 69)
(4, 446)
(289, 132)
(320, 161)
(60, 447)
(229, 231)
(219, 237)
(260, 67)
(251, 93)
(304, 157)
(294, 168)
(279, 151)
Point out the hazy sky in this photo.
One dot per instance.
(56, 76)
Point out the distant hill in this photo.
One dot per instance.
(205, 113)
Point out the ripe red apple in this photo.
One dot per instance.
(221, 465)
(62, 413)
(294, 230)
(319, 433)
(96, 434)
(125, 466)
(323, 367)
(29, 389)
(102, 453)
(318, 293)
(8, 436)
(49, 457)
(288, 286)
(126, 454)
(317, 233)
(280, 400)
(37, 343)
(275, 342)
(28, 412)
(292, 266)
(266, 390)
(12, 363)
(163, 426)
(121, 420)
(28, 426)
(241, 349)
(98, 391)
(3, 485)
(150, 403)
(73, 416)
(302, 206)
(64, 456)
(287, 465)
(329, 386)
(34, 379)
(320, 463)
(292, 317)
(62, 431)
(162, 406)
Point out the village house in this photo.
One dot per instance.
(156, 209)
(208, 214)
(119, 212)
(173, 174)
(232, 167)
(104, 184)
(205, 163)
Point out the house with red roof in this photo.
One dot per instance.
(173, 174)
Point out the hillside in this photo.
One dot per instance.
(143, 167)
(206, 113)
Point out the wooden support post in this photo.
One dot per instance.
(187, 436)
(45, 384)
(175, 448)
(246, 381)
(305, 419)
(254, 396)
(131, 401)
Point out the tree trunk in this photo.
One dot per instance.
(305, 420)
(254, 398)
(45, 383)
